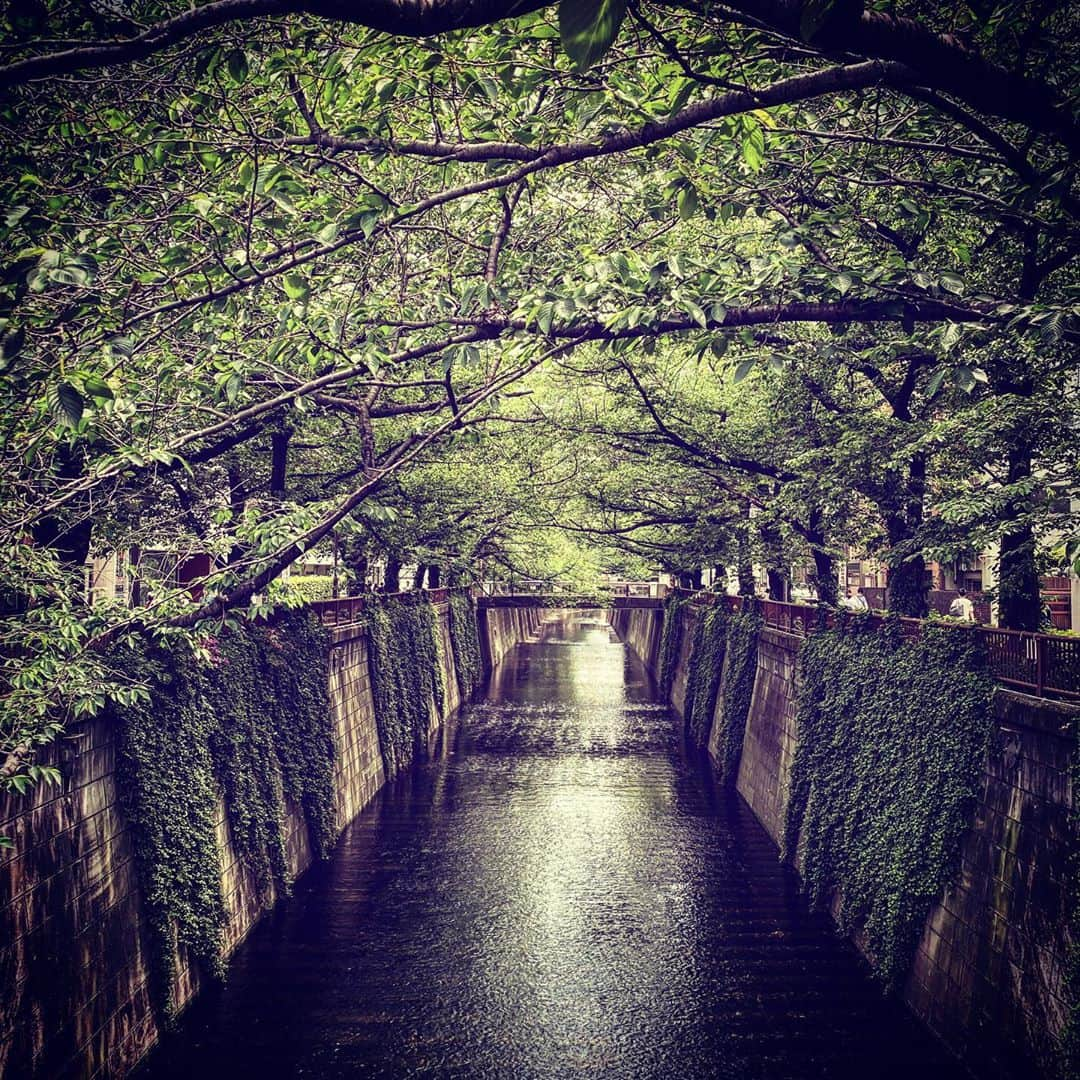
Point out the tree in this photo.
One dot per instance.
(276, 261)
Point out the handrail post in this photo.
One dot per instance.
(1040, 667)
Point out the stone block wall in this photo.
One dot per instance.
(501, 628)
(770, 739)
(988, 974)
(74, 998)
(641, 629)
(689, 618)
(989, 970)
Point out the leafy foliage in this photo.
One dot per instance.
(740, 669)
(465, 643)
(706, 666)
(670, 643)
(891, 737)
(812, 297)
(406, 675)
(249, 720)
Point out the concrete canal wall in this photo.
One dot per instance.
(989, 974)
(75, 960)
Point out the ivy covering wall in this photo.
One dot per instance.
(891, 740)
(252, 722)
(705, 667)
(670, 643)
(740, 669)
(465, 643)
(406, 675)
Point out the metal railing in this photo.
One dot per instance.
(1042, 664)
(350, 609)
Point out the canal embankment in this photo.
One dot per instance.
(182, 819)
(930, 811)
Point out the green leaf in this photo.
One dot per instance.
(695, 313)
(743, 369)
(237, 64)
(952, 283)
(842, 283)
(688, 202)
(753, 148)
(296, 287)
(588, 28)
(70, 403)
(544, 315)
(964, 378)
(97, 387)
(934, 385)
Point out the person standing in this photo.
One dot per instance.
(962, 607)
(855, 600)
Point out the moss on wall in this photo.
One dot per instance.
(891, 740)
(740, 669)
(465, 643)
(250, 719)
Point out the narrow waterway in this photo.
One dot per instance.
(561, 892)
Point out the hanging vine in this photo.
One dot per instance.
(740, 669)
(251, 724)
(670, 643)
(705, 667)
(465, 642)
(406, 675)
(892, 735)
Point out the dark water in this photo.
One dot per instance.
(562, 893)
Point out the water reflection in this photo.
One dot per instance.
(562, 893)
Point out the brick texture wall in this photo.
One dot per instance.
(74, 999)
(988, 973)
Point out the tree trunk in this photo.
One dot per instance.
(418, 577)
(778, 584)
(907, 579)
(279, 461)
(1019, 602)
(907, 588)
(392, 577)
(824, 579)
(747, 585)
(433, 576)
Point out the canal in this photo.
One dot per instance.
(561, 891)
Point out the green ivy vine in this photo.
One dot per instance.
(740, 669)
(250, 719)
(465, 643)
(670, 643)
(406, 675)
(892, 735)
(705, 666)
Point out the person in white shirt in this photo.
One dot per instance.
(855, 601)
(962, 607)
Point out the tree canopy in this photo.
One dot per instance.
(709, 283)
